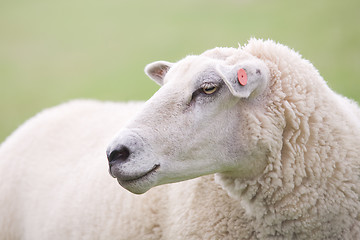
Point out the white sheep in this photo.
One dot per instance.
(282, 145)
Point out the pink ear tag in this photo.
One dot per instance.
(242, 77)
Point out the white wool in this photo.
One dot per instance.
(310, 187)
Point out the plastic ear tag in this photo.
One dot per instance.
(242, 77)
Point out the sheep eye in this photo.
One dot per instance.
(209, 89)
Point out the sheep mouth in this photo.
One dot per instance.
(130, 179)
(139, 184)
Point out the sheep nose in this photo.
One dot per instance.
(121, 154)
(124, 153)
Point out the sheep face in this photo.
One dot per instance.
(196, 124)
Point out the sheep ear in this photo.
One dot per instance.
(157, 71)
(249, 82)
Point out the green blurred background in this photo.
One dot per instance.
(52, 51)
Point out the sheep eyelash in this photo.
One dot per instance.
(208, 85)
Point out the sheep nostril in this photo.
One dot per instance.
(121, 154)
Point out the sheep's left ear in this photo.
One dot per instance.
(157, 71)
(250, 81)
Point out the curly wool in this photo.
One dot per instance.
(310, 187)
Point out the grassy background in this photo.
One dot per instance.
(52, 51)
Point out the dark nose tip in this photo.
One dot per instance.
(121, 154)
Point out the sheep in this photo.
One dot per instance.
(267, 149)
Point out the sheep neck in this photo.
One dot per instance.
(305, 174)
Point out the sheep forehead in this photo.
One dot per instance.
(187, 70)
(229, 56)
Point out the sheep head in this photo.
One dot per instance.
(198, 123)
